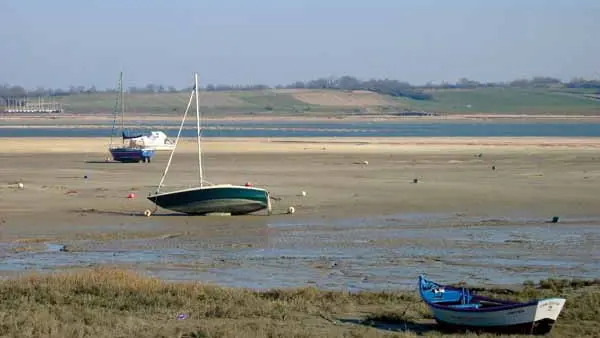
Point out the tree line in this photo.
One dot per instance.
(381, 86)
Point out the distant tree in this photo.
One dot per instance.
(582, 83)
(296, 85)
(16, 91)
(544, 81)
(346, 82)
(150, 88)
(466, 83)
(322, 83)
(349, 83)
(519, 83)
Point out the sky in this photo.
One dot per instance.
(58, 43)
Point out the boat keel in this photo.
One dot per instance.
(540, 327)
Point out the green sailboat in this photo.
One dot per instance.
(208, 198)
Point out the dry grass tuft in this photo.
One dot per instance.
(106, 302)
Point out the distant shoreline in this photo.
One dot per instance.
(137, 117)
(507, 126)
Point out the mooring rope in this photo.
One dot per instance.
(176, 141)
(164, 175)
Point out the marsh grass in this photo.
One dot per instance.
(106, 302)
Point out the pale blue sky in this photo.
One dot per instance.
(56, 43)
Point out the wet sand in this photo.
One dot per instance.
(360, 226)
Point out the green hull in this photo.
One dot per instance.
(235, 200)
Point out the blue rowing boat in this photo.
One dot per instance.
(457, 308)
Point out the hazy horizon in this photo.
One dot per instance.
(56, 44)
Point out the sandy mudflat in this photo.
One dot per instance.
(328, 147)
(535, 179)
(535, 176)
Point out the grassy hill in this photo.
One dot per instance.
(307, 101)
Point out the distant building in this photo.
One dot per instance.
(417, 113)
(32, 105)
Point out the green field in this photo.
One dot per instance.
(303, 102)
(513, 100)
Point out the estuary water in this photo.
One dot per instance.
(326, 129)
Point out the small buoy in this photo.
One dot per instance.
(555, 219)
(248, 184)
(20, 185)
(147, 213)
(85, 176)
(291, 210)
(365, 162)
(493, 167)
(303, 193)
(415, 180)
(131, 195)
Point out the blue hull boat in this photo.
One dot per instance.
(456, 308)
(127, 152)
(131, 155)
(224, 198)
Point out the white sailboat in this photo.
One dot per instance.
(156, 140)
(126, 152)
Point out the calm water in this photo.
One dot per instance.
(332, 129)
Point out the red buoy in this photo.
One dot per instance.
(131, 195)
(248, 184)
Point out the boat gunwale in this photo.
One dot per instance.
(207, 188)
(509, 305)
(130, 150)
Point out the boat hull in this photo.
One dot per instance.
(540, 327)
(163, 146)
(234, 200)
(131, 155)
(457, 309)
(537, 317)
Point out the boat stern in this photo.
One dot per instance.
(549, 309)
(148, 152)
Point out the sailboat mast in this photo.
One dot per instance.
(198, 129)
(122, 102)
